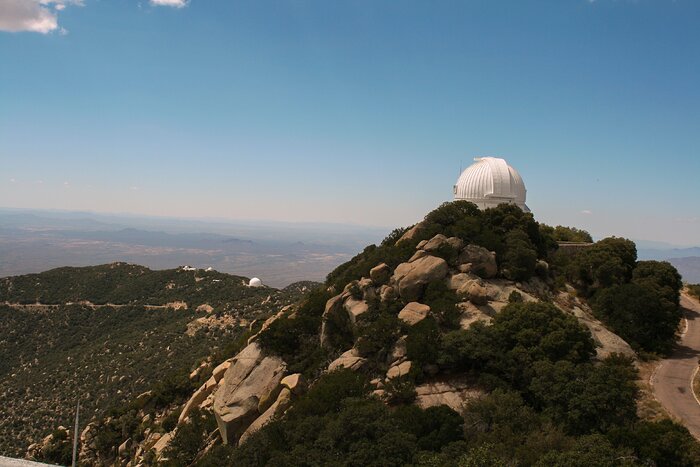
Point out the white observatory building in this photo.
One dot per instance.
(490, 181)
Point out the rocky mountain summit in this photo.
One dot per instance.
(467, 339)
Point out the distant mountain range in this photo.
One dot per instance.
(278, 252)
(686, 260)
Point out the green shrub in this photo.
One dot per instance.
(520, 256)
(567, 234)
(640, 315)
(588, 451)
(296, 340)
(586, 398)
(521, 334)
(515, 297)
(423, 342)
(443, 304)
(663, 442)
(328, 392)
(189, 439)
(378, 330)
(400, 390)
(608, 262)
(170, 421)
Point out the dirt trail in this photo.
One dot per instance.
(44, 306)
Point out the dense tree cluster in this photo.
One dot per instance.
(122, 283)
(567, 234)
(639, 300)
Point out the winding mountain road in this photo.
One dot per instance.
(673, 379)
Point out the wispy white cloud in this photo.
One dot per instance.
(587, 212)
(33, 15)
(172, 3)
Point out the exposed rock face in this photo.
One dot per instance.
(341, 311)
(48, 444)
(606, 341)
(366, 286)
(162, 443)
(471, 314)
(402, 369)
(250, 378)
(411, 278)
(355, 308)
(414, 313)
(282, 403)
(197, 398)
(333, 312)
(412, 233)
(455, 393)
(380, 274)
(88, 448)
(435, 243)
(219, 371)
(477, 293)
(124, 448)
(439, 241)
(457, 282)
(350, 359)
(295, 383)
(398, 352)
(205, 308)
(417, 255)
(470, 287)
(483, 261)
(387, 294)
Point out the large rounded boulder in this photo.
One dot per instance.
(411, 278)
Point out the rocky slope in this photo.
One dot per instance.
(105, 335)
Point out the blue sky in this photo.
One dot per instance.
(353, 111)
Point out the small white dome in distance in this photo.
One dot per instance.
(255, 282)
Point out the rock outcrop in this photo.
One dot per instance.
(482, 261)
(411, 278)
(380, 274)
(414, 313)
(455, 393)
(252, 377)
(292, 386)
(412, 233)
(350, 359)
(399, 370)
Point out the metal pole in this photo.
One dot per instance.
(75, 436)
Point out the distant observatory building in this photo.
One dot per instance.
(490, 181)
(255, 282)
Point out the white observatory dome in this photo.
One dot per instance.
(255, 282)
(490, 181)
